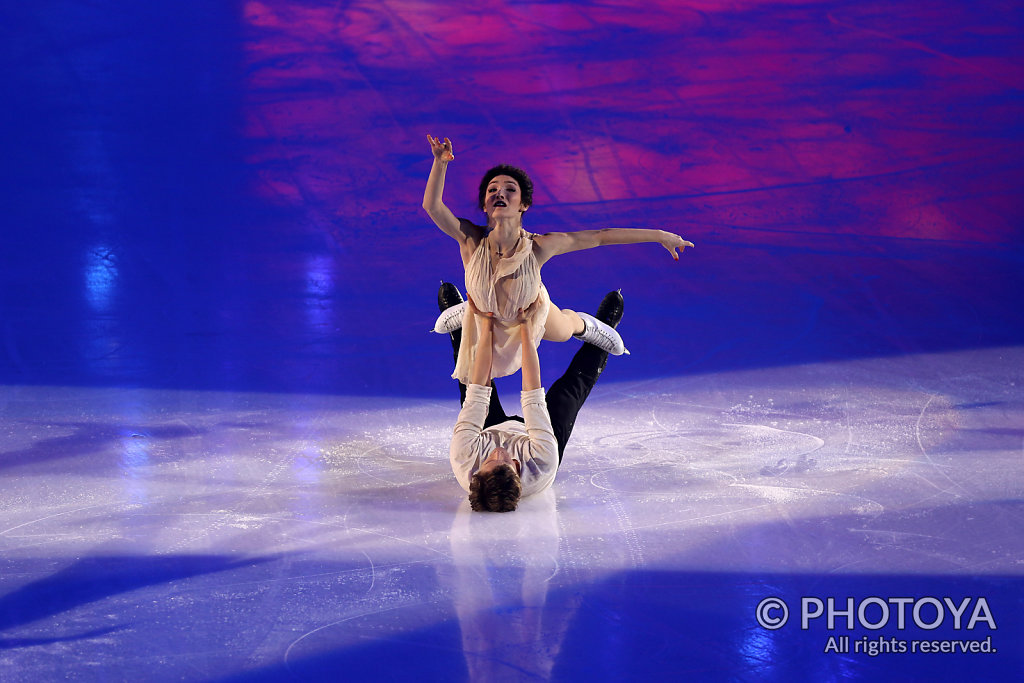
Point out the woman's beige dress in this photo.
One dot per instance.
(515, 284)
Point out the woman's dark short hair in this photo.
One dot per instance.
(496, 491)
(525, 184)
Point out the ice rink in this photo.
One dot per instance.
(197, 536)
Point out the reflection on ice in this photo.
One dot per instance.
(502, 567)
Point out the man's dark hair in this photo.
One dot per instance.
(496, 491)
(525, 184)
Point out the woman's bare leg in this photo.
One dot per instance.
(562, 323)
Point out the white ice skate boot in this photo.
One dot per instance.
(450, 319)
(600, 335)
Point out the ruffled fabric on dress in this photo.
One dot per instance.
(513, 285)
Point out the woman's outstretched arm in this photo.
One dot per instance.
(555, 243)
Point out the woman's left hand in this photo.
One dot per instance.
(672, 241)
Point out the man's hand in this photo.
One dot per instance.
(477, 311)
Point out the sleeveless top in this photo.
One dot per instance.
(517, 280)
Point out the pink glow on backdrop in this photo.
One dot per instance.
(890, 125)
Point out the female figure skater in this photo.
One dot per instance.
(503, 262)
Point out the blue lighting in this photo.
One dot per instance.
(101, 275)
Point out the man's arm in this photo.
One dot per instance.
(531, 362)
(540, 459)
(466, 449)
(467, 445)
(543, 452)
(483, 351)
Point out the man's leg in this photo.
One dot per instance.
(447, 296)
(567, 394)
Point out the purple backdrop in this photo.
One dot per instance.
(227, 196)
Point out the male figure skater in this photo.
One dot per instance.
(498, 458)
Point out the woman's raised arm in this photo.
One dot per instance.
(433, 203)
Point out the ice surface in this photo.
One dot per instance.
(205, 536)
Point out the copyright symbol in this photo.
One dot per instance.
(766, 607)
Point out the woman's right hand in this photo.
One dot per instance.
(442, 150)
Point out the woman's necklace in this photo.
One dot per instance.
(498, 250)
